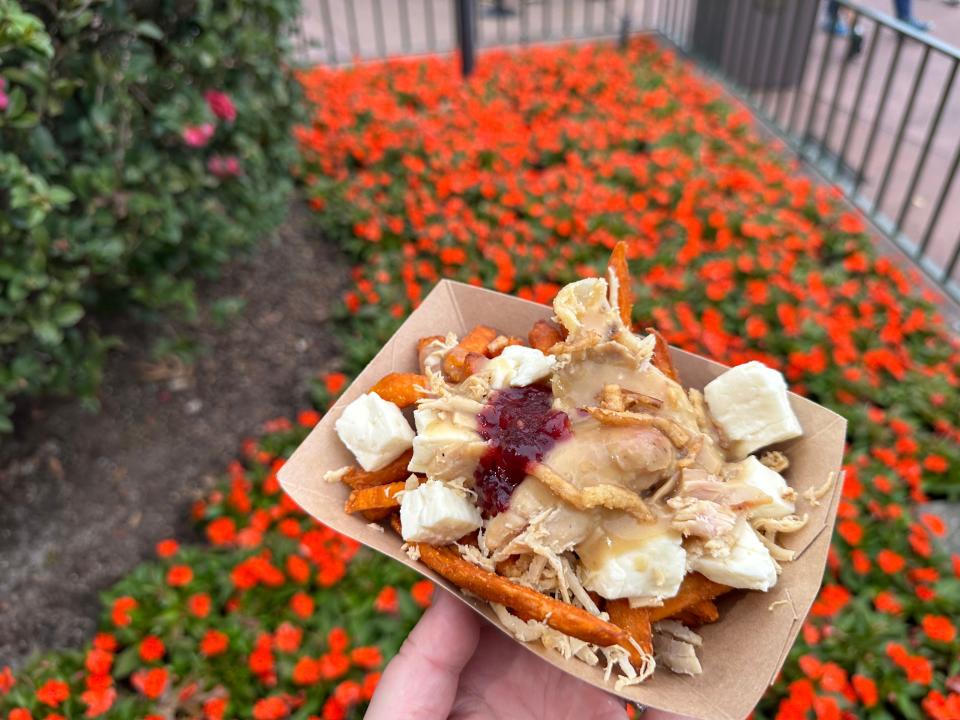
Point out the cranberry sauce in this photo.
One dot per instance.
(520, 427)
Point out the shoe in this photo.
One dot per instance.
(837, 27)
(919, 25)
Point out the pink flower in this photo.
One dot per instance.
(4, 100)
(224, 166)
(197, 135)
(221, 105)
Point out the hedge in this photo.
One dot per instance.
(141, 144)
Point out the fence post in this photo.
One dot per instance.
(466, 11)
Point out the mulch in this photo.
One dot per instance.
(85, 496)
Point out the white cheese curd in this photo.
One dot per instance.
(447, 444)
(628, 559)
(748, 566)
(519, 366)
(374, 430)
(750, 405)
(754, 473)
(436, 514)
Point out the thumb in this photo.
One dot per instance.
(421, 681)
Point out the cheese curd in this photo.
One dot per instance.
(518, 366)
(374, 430)
(447, 444)
(750, 405)
(748, 565)
(626, 559)
(754, 473)
(436, 514)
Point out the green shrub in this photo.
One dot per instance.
(143, 144)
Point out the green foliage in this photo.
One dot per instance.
(120, 181)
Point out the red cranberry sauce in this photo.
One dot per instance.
(521, 427)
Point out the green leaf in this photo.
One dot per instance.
(17, 103)
(59, 195)
(149, 29)
(68, 314)
(47, 333)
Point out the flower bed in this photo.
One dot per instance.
(522, 180)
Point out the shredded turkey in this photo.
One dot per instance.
(701, 518)
(675, 646)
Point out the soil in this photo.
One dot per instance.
(85, 496)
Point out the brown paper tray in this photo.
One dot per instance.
(743, 652)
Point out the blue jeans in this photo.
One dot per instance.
(902, 8)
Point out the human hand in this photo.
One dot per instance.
(455, 665)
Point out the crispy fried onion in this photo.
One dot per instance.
(788, 524)
(775, 460)
(777, 552)
(815, 494)
(612, 497)
(613, 397)
(674, 433)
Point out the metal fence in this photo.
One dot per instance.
(874, 112)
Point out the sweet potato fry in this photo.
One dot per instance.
(381, 497)
(544, 335)
(358, 478)
(636, 621)
(617, 268)
(522, 601)
(701, 613)
(497, 345)
(694, 589)
(402, 389)
(455, 363)
(661, 356)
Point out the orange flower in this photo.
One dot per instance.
(366, 657)
(150, 683)
(422, 593)
(179, 575)
(122, 607)
(308, 418)
(306, 672)
(831, 600)
(151, 649)
(369, 684)
(334, 382)
(199, 604)
(222, 531)
(214, 643)
(214, 708)
(167, 548)
(386, 601)
(98, 662)
(287, 637)
(53, 692)
(890, 562)
(7, 680)
(302, 605)
(866, 690)
(270, 708)
(939, 628)
(885, 602)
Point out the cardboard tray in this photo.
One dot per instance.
(743, 652)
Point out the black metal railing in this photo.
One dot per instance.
(873, 111)
(340, 32)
